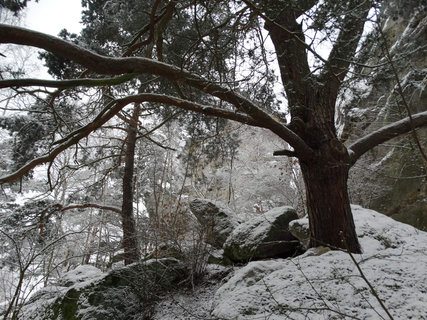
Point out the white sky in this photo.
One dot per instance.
(51, 16)
(47, 16)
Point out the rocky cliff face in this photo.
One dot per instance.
(392, 177)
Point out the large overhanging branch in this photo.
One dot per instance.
(65, 143)
(130, 65)
(113, 109)
(362, 145)
(196, 107)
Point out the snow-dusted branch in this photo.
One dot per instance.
(196, 107)
(373, 291)
(89, 205)
(130, 65)
(64, 84)
(110, 111)
(344, 49)
(364, 144)
(67, 142)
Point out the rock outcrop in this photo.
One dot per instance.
(391, 178)
(300, 229)
(87, 293)
(216, 218)
(325, 284)
(264, 236)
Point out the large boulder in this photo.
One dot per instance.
(322, 284)
(216, 218)
(87, 293)
(265, 236)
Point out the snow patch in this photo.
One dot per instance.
(81, 275)
(330, 286)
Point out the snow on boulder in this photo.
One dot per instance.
(300, 229)
(330, 286)
(217, 219)
(80, 275)
(264, 236)
(122, 294)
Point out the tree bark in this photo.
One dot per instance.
(312, 100)
(130, 235)
(328, 206)
(326, 176)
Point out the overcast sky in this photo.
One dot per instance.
(47, 16)
(51, 16)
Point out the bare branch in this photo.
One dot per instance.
(340, 58)
(111, 110)
(362, 145)
(64, 144)
(373, 291)
(284, 152)
(259, 118)
(89, 205)
(64, 84)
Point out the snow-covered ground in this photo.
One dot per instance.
(327, 286)
(192, 303)
(388, 281)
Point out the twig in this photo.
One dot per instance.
(373, 291)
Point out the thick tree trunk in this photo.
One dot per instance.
(130, 236)
(328, 205)
(312, 100)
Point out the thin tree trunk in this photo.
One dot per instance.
(130, 236)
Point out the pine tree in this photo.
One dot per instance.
(218, 65)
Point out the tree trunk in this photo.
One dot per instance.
(328, 206)
(312, 100)
(130, 236)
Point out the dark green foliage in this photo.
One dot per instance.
(60, 67)
(14, 5)
(200, 37)
(18, 218)
(34, 132)
(206, 37)
(109, 25)
(28, 133)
